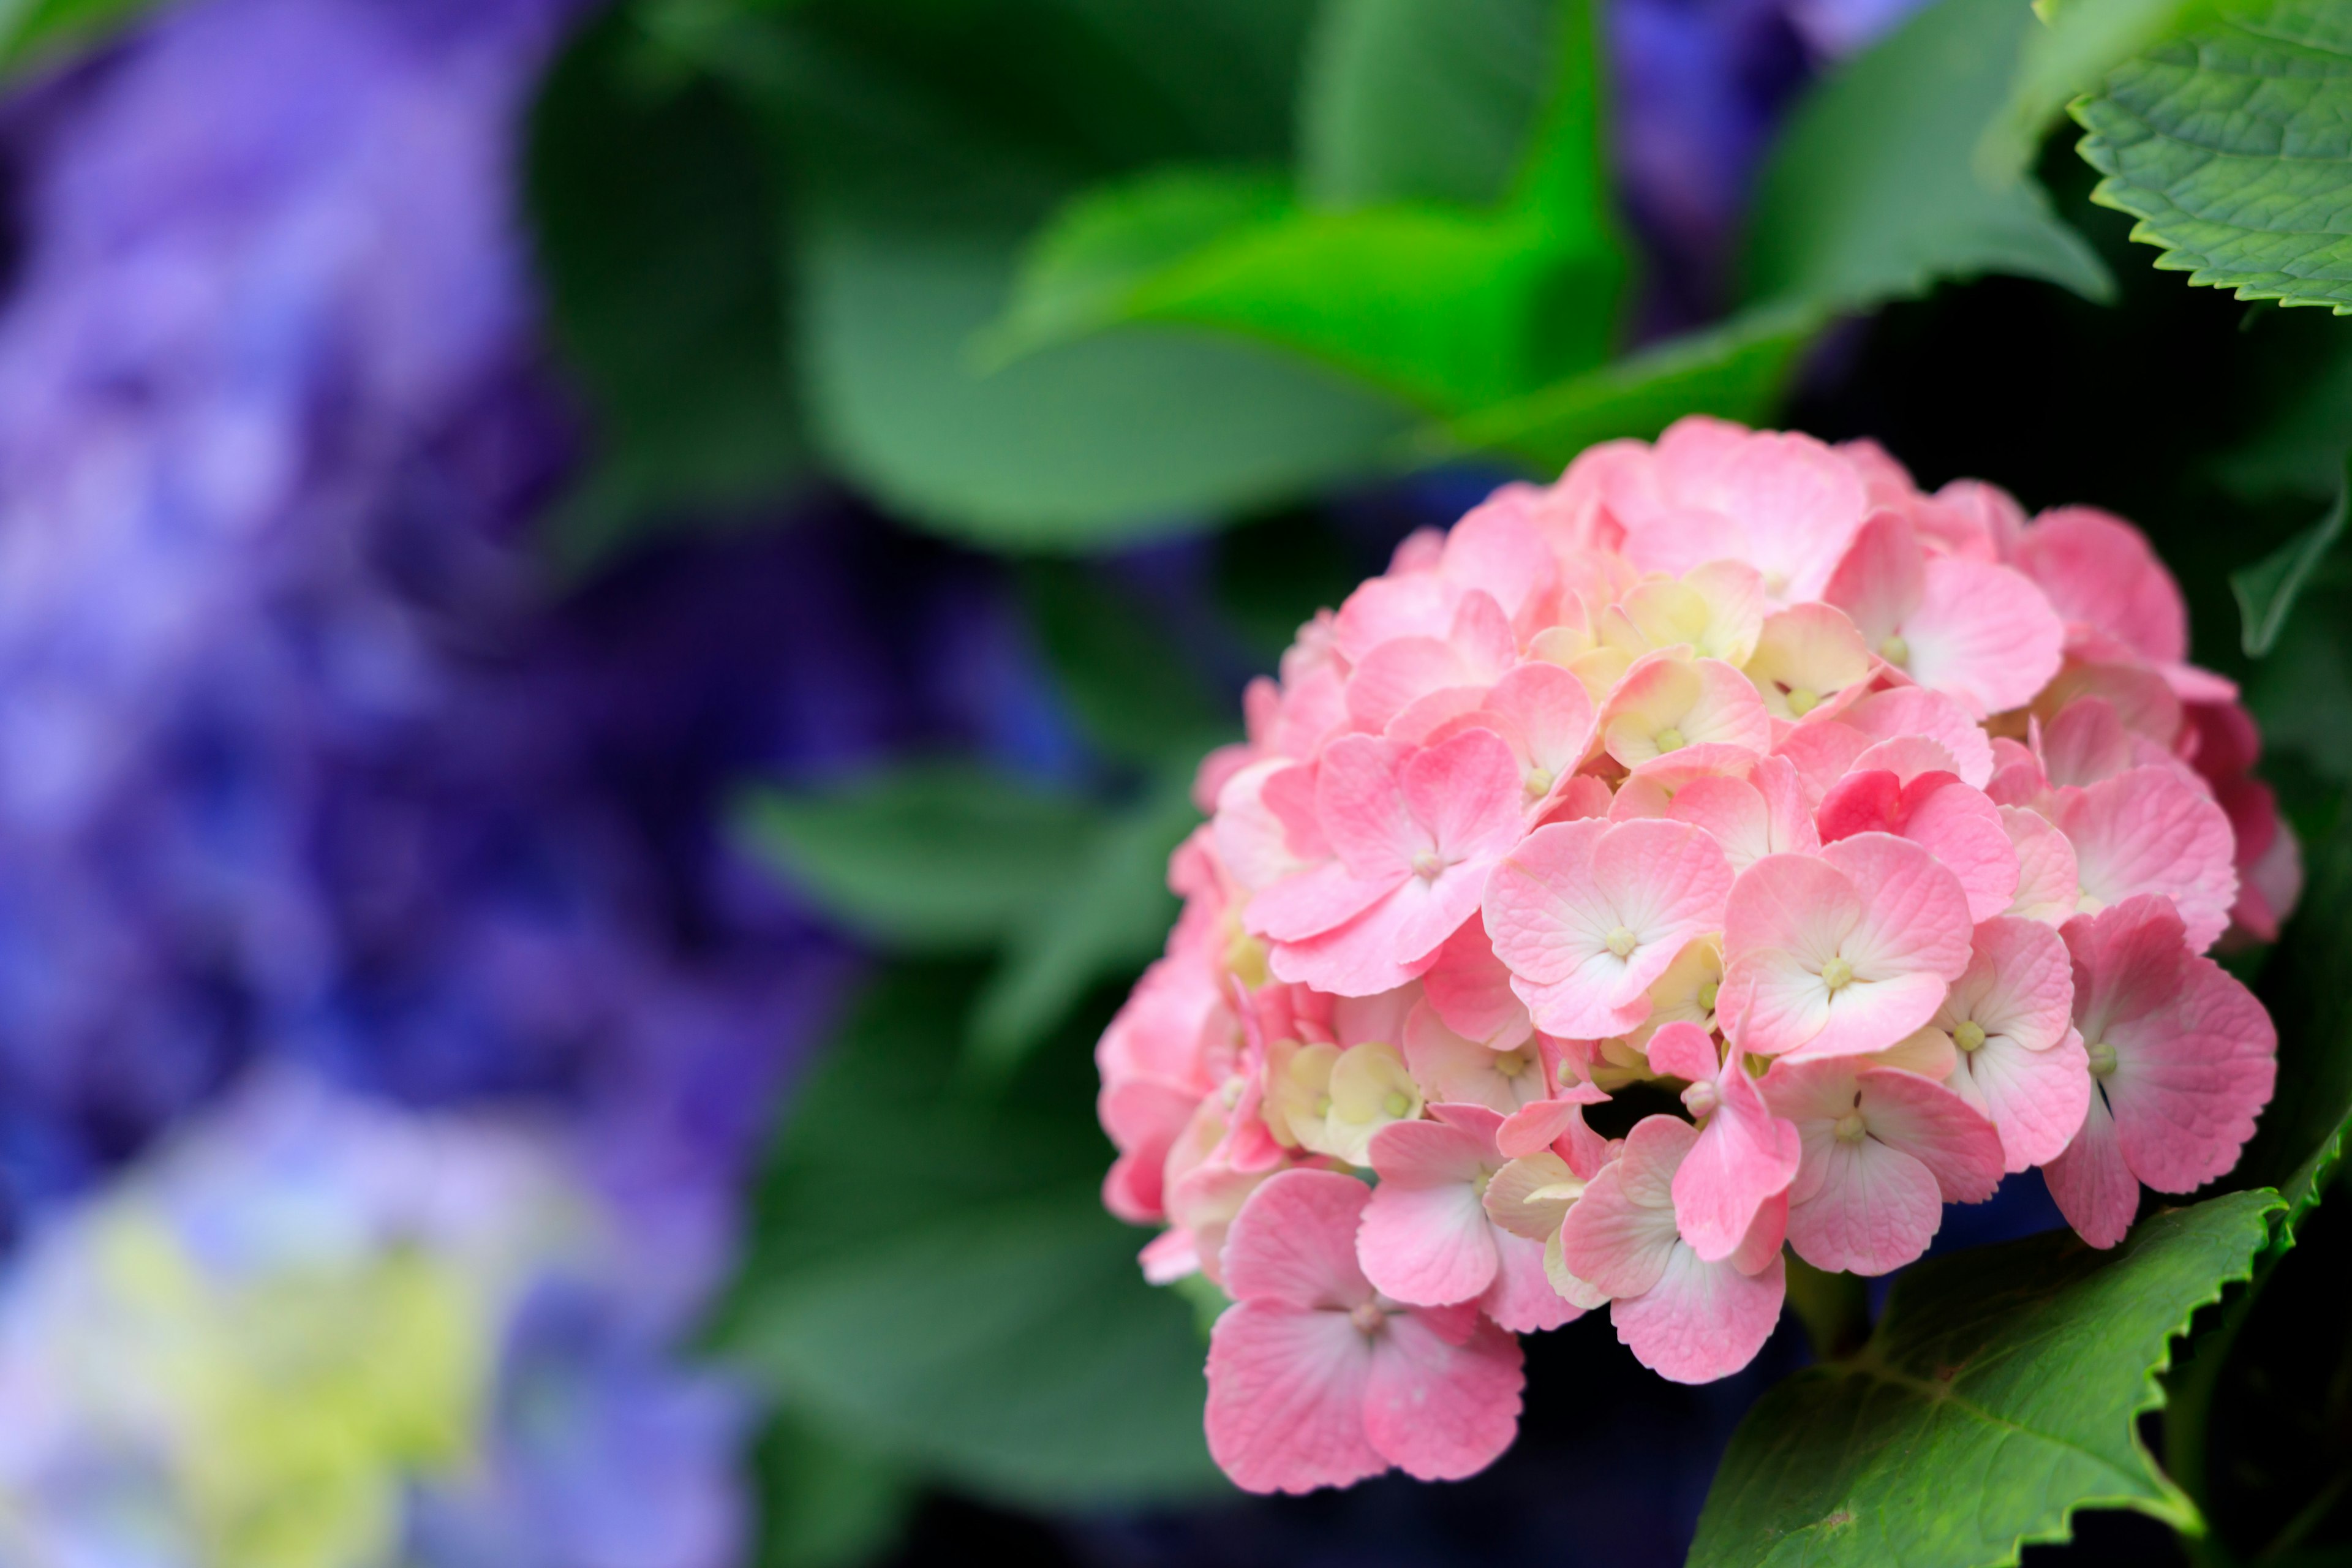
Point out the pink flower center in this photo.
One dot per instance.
(1367, 1317)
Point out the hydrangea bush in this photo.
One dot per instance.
(1729, 845)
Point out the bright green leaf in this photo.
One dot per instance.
(1736, 371)
(1424, 99)
(1112, 919)
(932, 856)
(931, 1271)
(2078, 44)
(2233, 145)
(656, 235)
(2000, 1395)
(2267, 590)
(1872, 193)
(1447, 308)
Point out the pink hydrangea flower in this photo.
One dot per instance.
(1686, 1319)
(2180, 1056)
(1845, 953)
(1731, 754)
(1587, 914)
(1317, 1379)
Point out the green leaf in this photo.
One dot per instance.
(1872, 193)
(655, 236)
(2267, 590)
(1121, 668)
(2080, 42)
(1425, 100)
(825, 1501)
(932, 1270)
(1446, 307)
(1112, 919)
(2233, 145)
(37, 33)
(1736, 371)
(927, 856)
(1998, 1396)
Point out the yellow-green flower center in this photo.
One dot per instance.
(1669, 740)
(1968, 1035)
(1708, 994)
(1623, 942)
(1803, 700)
(1895, 651)
(1837, 975)
(2103, 1059)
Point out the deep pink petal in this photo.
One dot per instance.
(1437, 1410)
(1915, 710)
(2150, 831)
(1701, 1320)
(2190, 1079)
(1963, 831)
(1744, 1157)
(2098, 570)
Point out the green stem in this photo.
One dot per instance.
(1834, 1309)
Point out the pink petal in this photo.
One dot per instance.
(1935, 1127)
(1308, 903)
(1620, 1233)
(1915, 710)
(1544, 1123)
(1551, 713)
(1288, 1388)
(1882, 579)
(1683, 1050)
(2190, 1079)
(1822, 752)
(1450, 1068)
(1360, 958)
(2098, 570)
(1497, 549)
(2018, 985)
(1437, 1410)
(1542, 893)
(2149, 831)
(1744, 1157)
(1522, 1298)
(1466, 790)
(1984, 634)
(1360, 803)
(1877, 1208)
(1294, 1242)
(1963, 831)
(1787, 916)
(2036, 1098)
(2086, 742)
(2048, 886)
(2092, 1185)
(1701, 1320)
(1429, 1245)
(1470, 989)
(1915, 918)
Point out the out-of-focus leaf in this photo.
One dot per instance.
(1872, 195)
(2233, 145)
(2298, 443)
(825, 1501)
(34, 33)
(1736, 371)
(1447, 308)
(656, 237)
(928, 855)
(932, 1270)
(1425, 100)
(2267, 590)
(1118, 666)
(1998, 1396)
(1113, 917)
(924, 141)
(2079, 42)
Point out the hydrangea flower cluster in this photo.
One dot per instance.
(1854, 846)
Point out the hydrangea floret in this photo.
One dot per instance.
(1729, 848)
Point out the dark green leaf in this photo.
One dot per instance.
(657, 238)
(2302, 418)
(931, 855)
(2233, 145)
(932, 1270)
(1424, 99)
(1872, 194)
(2267, 590)
(1112, 919)
(1121, 669)
(1736, 371)
(825, 1500)
(2000, 1395)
